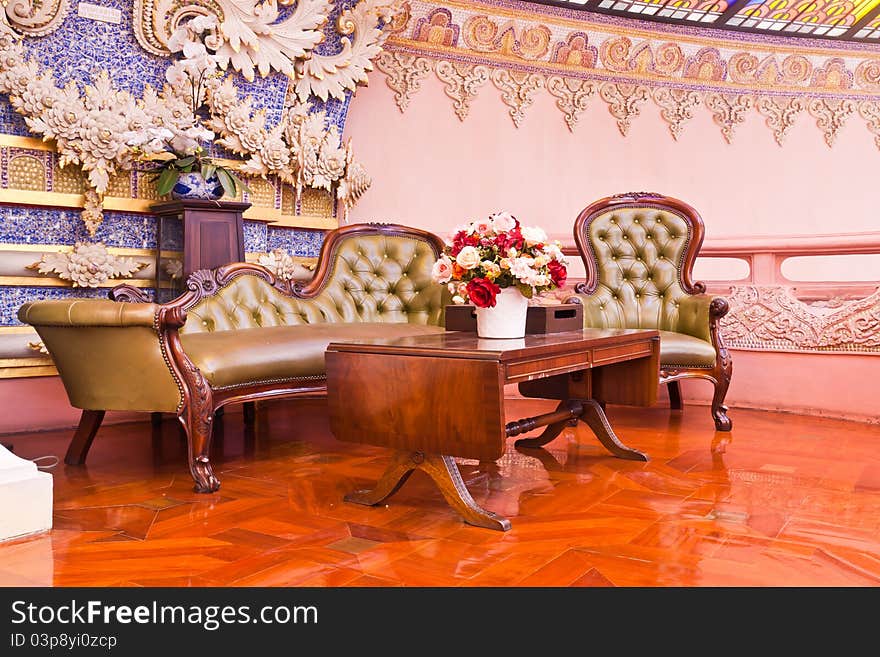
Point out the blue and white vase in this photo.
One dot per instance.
(193, 186)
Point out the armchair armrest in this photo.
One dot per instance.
(110, 355)
(697, 313)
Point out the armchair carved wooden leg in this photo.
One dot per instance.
(723, 365)
(723, 372)
(89, 422)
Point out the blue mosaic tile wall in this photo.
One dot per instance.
(39, 225)
(306, 243)
(255, 236)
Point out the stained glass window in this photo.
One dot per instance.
(830, 19)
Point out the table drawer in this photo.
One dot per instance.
(526, 370)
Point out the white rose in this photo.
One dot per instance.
(457, 299)
(468, 257)
(442, 270)
(554, 252)
(534, 235)
(482, 227)
(522, 269)
(502, 222)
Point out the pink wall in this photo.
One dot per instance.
(431, 170)
(39, 403)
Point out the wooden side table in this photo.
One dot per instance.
(211, 233)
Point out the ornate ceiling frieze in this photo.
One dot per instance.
(731, 76)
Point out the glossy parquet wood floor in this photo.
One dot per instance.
(783, 500)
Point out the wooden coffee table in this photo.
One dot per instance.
(432, 398)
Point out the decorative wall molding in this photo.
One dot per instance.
(467, 43)
(517, 91)
(572, 96)
(404, 74)
(728, 111)
(624, 102)
(676, 107)
(780, 114)
(830, 115)
(462, 83)
(771, 318)
(363, 32)
(869, 110)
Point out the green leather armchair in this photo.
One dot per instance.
(639, 251)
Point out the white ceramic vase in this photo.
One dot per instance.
(507, 319)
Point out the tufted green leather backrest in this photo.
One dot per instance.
(638, 253)
(372, 278)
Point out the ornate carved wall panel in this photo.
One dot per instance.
(772, 318)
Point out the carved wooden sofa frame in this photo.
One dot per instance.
(719, 374)
(199, 401)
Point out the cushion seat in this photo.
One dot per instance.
(245, 356)
(683, 349)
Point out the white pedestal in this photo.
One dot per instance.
(25, 497)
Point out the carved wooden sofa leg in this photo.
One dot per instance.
(89, 422)
(197, 418)
(197, 410)
(249, 409)
(674, 391)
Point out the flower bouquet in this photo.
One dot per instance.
(496, 262)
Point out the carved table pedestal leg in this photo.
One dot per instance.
(444, 471)
(588, 411)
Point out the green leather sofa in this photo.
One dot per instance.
(238, 334)
(639, 250)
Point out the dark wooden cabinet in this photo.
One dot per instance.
(193, 235)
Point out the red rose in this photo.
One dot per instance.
(482, 292)
(558, 272)
(512, 238)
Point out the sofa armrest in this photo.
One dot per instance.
(87, 312)
(697, 313)
(110, 356)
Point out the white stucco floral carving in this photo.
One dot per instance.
(252, 35)
(331, 75)
(282, 264)
(88, 265)
(302, 149)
